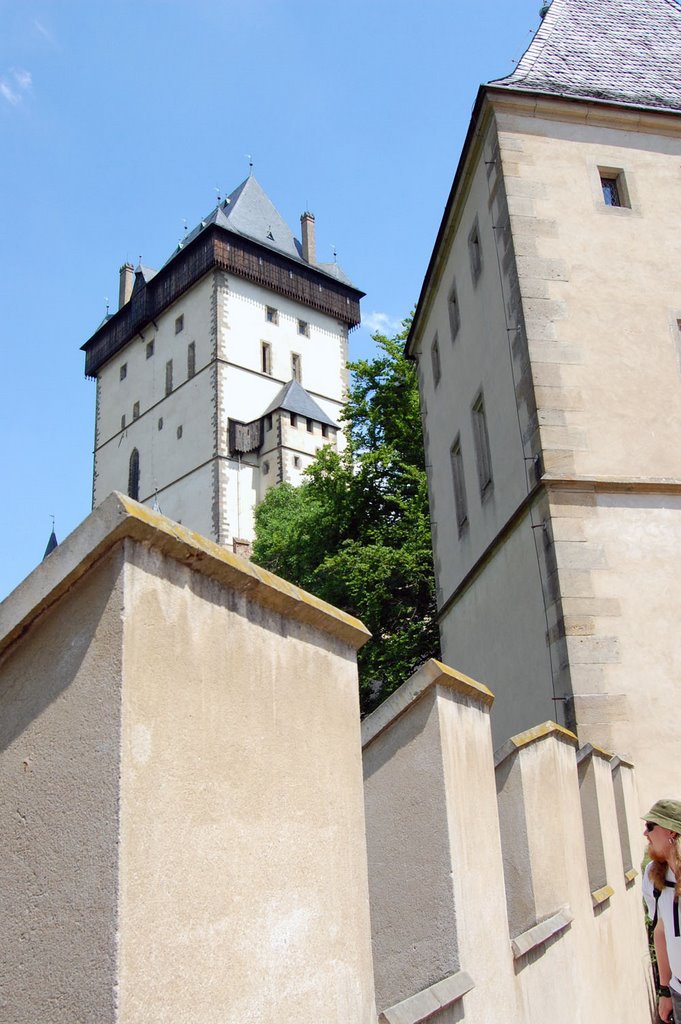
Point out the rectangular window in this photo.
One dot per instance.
(179, 323)
(304, 328)
(271, 315)
(295, 366)
(265, 358)
(150, 348)
(435, 358)
(460, 500)
(191, 359)
(474, 250)
(614, 187)
(325, 430)
(123, 371)
(268, 421)
(123, 422)
(454, 315)
(136, 411)
(294, 419)
(169, 376)
(482, 451)
(310, 425)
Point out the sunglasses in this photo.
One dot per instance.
(650, 825)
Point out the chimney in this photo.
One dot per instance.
(307, 231)
(125, 286)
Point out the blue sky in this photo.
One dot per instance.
(119, 121)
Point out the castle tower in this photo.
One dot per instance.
(197, 412)
(548, 341)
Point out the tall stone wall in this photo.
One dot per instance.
(530, 857)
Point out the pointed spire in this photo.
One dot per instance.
(52, 542)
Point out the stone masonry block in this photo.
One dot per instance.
(545, 352)
(574, 555)
(516, 186)
(559, 463)
(593, 650)
(575, 584)
(601, 607)
(565, 398)
(546, 269)
(564, 438)
(568, 529)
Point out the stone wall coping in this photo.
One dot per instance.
(524, 739)
(119, 517)
(541, 932)
(599, 896)
(431, 673)
(621, 762)
(590, 750)
(424, 1004)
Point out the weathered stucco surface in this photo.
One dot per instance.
(60, 700)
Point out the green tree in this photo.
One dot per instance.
(357, 532)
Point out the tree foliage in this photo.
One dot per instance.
(357, 532)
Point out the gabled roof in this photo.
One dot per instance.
(294, 398)
(620, 51)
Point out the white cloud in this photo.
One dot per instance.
(381, 322)
(15, 85)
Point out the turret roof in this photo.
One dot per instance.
(294, 398)
(621, 51)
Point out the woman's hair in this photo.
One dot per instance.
(658, 869)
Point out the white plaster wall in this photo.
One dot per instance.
(600, 287)
(477, 358)
(59, 772)
(243, 886)
(501, 640)
(625, 671)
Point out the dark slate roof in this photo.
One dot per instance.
(249, 211)
(294, 398)
(621, 51)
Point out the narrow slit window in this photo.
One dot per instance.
(134, 475)
(136, 411)
(454, 312)
(150, 348)
(266, 358)
(475, 251)
(191, 359)
(435, 359)
(482, 449)
(123, 371)
(179, 323)
(460, 500)
(169, 376)
(296, 366)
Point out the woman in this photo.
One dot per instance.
(661, 891)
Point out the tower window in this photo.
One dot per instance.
(123, 422)
(296, 366)
(134, 475)
(304, 328)
(294, 419)
(296, 461)
(160, 423)
(123, 373)
(265, 468)
(454, 313)
(482, 450)
(136, 411)
(265, 358)
(150, 348)
(325, 430)
(191, 359)
(460, 501)
(271, 315)
(435, 358)
(179, 432)
(474, 250)
(310, 425)
(268, 422)
(169, 376)
(179, 323)
(614, 187)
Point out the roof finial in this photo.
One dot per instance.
(219, 192)
(52, 542)
(334, 254)
(107, 305)
(250, 164)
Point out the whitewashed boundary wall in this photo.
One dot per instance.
(502, 887)
(182, 820)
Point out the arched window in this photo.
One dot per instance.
(134, 475)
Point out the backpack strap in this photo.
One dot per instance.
(657, 893)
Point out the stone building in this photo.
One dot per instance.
(224, 372)
(548, 342)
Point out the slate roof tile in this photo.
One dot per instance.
(621, 51)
